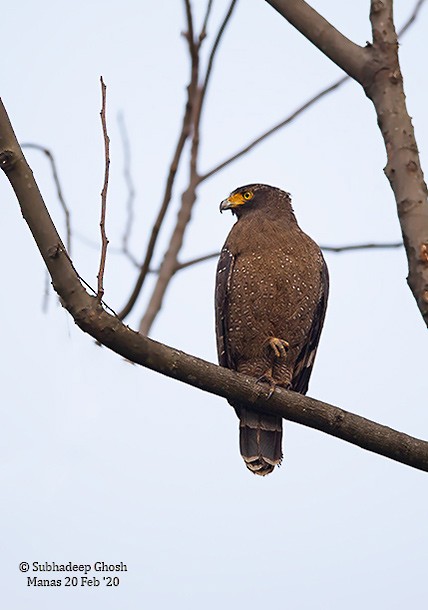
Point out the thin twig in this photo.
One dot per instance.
(85, 283)
(131, 190)
(289, 119)
(195, 261)
(211, 60)
(203, 32)
(334, 249)
(59, 192)
(339, 249)
(169, 263)
(189, 35)
(186, 128)
(104, 240)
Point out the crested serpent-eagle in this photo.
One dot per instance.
(271, 297)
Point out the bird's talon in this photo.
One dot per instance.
(267, 378)
(280, 347)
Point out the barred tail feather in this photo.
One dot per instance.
(260, 439)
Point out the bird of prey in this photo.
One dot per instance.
(271, 298)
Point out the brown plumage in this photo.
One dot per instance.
(271, 297)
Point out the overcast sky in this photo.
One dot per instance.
(106, 461)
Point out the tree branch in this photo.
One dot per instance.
(203, 31)
(189, 34)
(377, 69)
(212, 55)
(334, 249)
(169, 263)
(353, 247)
(182, 138)
(111, 332)
(104, 240)
(289, 119)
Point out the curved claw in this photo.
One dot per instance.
(267, 378)
(280, 347)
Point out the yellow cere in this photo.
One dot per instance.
(240, 198)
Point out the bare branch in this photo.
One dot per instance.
(203, 32)
(334, 249)
(350, 248)
(182, 138)
(215, 49)
(57, 182)
(195, 261)
(111, 332)
(169, 263)
(184, 134)
(189, 35)
(104, 240)
(275, 128)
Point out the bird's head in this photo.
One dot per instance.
(252, 197)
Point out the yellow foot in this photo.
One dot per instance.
(280, 347)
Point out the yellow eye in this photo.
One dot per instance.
(247, 195)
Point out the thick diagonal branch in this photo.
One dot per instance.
(111, 332)
(377, 69)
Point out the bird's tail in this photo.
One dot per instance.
(260, 440)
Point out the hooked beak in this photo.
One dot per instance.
(225, 205)
(232, 202)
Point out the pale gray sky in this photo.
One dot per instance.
(105, 461)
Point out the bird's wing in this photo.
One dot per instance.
(223, 279)
(305, 360)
